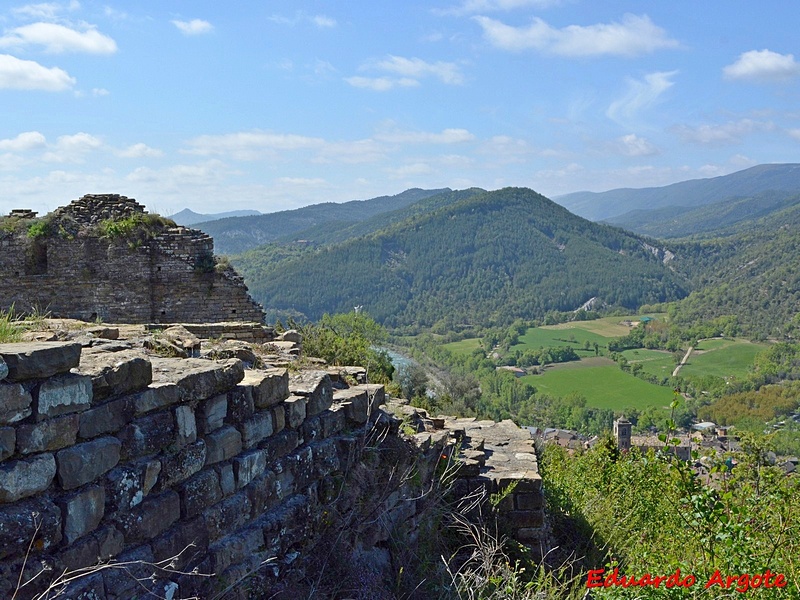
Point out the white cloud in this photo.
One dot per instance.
(633, 145)
(323, 22)
(250, 145)
(763, 66)
(380, 84)
(410, 170)
(100, 92)
(18, 74)
(416, 68)
(72, 148)
(724, 134)
(178, 176)
(29, 140)
(633, 36)
(57, 38)
(407, 72)
(139, 150)
(355, 152)
(641, 94)
(305, 182)
(46, 10)
(446, 136)
(474, 6)
(193, 27)
(795, 133)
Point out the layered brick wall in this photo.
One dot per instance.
(75, 272)
(123, 457)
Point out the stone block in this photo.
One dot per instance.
(8, 441)
(26, 477)
(278, 418)
(183, 543)
(295, 408)
(82, 512)
(519, 519)
(186, 425)
(86, 462)
(326, 458)
(181, 465)
(3, 368)
(269, 387)
(235, 548)
(38, 360)
(196, 378)
(248, 466)
(61, 395)
(199, 492)
(261, 492)
(282, 444)
(301, 465)
(131, 582)
(15, 403)
(376, 394)
(211, 413)
(49, 435)
(115, 373)
(528, 501)
(157, 395)
(311, 430)
(316, 386)
(147, 435)
(333, 421)
(223, 444)
(227, 516)
(128, 484)
(153, 516)
(240, 404)
(355, 403)
(256, 429)
(106, 418)
(36, 519)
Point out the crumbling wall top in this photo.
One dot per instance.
(94, 208)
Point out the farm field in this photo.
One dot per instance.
(576, 333)
(655, 362)
(723, 357)
(463, 346)
(602, 383)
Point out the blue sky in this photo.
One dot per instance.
(274, 105)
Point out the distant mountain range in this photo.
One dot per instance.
(188, 217)
(614, 205)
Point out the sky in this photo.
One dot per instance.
(270, 105)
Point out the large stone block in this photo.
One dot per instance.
(15, 403)
(49, 435)
(38, 360)
(223, 444)
(256, 429)
(62, 394)
(106, 418)
(115, 373)
(8, 441)
(227, 516)
(269, 387)
(82, 512)
(211, 413)
(183, 543)
(316, 386)
(240, 404)
(37, 520)
(185, 424)
(235, 548)
(86, 462)
(183, 464)
(355, 404)
(129, 484)
(26, 477)
(198, 379)
(147, 435)
(157, 395)
(248, 466)
(295, 407)
(153, 516)
(281, 444)
(3, 368)
(200, 492)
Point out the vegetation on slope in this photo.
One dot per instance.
(485, 260)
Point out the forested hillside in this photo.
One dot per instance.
(238, 234)
(484, 260)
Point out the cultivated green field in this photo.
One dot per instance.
(466, 346)
(723, 358)
(655, 362)
(602, 383)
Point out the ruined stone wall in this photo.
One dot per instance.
(72, 271)
(135, 459)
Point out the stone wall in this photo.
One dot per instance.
(191, 475)
(73, 271)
